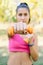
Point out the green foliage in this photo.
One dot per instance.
(14, 19)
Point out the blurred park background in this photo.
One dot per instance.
(8, 17)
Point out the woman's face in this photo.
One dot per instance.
(23, 15)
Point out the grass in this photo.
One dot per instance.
(2, 32)
(3, 56)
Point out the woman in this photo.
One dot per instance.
(20, 52)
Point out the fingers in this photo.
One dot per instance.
(20, 27)
(17, 27)
(24, 26)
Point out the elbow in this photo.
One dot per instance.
(35, 58)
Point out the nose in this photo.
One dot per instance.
(23, 18)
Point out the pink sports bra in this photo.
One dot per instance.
(17, 44)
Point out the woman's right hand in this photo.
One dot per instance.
(20, 27)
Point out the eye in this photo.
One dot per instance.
(20, 14)
(25, 14)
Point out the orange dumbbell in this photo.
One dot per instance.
(10, 31)
(29, 30)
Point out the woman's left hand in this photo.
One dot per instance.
(29, 38)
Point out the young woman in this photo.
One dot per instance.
(22, 52)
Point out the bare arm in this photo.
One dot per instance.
(34, 48)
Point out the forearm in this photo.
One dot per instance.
(34, 52)
(34, 48)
